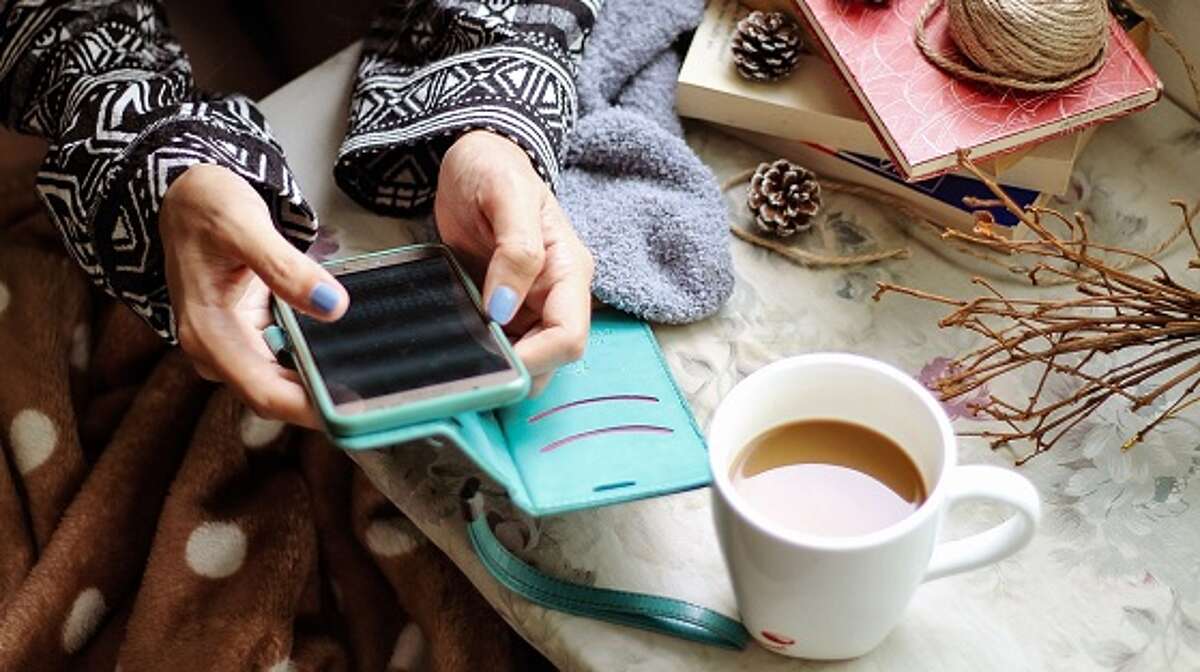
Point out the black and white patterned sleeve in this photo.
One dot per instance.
(108, 86)
(434, 69)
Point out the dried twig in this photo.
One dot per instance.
(1111, 309)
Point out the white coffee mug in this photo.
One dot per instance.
(839, 597)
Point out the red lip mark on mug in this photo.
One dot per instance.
(777, 642)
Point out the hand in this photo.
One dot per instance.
(223, 259)
(506, 226)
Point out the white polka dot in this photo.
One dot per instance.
(285, 665)
(257, 432)
(216, 550)
(393, 536)
(81, 623)
(5, 297)
(410, 648)
(81, 346)
(33, 438)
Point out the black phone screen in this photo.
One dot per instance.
(410, 325)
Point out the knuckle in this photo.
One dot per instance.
(492, 193)
(575, 345)
(524, 256)
(275, 264)
(498, 182)
(576, 350)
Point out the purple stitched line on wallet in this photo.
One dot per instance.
(593, 400)
(648, 429)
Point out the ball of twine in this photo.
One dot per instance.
(1032, 45)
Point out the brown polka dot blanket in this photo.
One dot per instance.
(149, 522)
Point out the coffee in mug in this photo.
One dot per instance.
(828, 477)
(826, 572)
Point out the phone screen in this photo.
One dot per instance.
(412, 332)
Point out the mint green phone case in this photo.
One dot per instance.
(384, 419)
(610, 428)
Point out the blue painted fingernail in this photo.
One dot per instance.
(502, 307)
(324, 298)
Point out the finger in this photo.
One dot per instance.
(273, 392)
(515, 216)
(566, 319)
(238, 355)
(545, 351)
(296, 279)
(539, 384)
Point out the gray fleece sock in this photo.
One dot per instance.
(642, 201)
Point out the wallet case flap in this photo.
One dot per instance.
(610, 428)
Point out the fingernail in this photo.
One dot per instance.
(324, 298)
(503, 304)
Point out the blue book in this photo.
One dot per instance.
(951, 189)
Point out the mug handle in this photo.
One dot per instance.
(993, 484)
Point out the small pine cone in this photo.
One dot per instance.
(766, 46)
(784, 197)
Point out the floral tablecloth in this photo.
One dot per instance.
(1112, 580)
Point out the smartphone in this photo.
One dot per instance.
(415, 345)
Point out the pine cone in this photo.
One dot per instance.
(766, 46)
(784, 197)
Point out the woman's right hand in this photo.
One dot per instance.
(224, 258)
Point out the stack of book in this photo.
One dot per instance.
(864, 106)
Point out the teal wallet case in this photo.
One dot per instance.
(612, 427)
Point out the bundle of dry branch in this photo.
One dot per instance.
(1112, 308)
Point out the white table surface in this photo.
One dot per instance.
(1112, 580)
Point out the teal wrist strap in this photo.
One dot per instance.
(648, 612)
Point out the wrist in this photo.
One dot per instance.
(205, 192)
(491, 143)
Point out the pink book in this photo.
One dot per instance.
(923, 116)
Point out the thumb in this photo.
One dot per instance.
(296, 279)
(519, 256)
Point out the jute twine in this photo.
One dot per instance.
(1031, 45)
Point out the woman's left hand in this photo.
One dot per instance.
(505, 225)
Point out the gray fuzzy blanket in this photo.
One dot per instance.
(649, 210)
